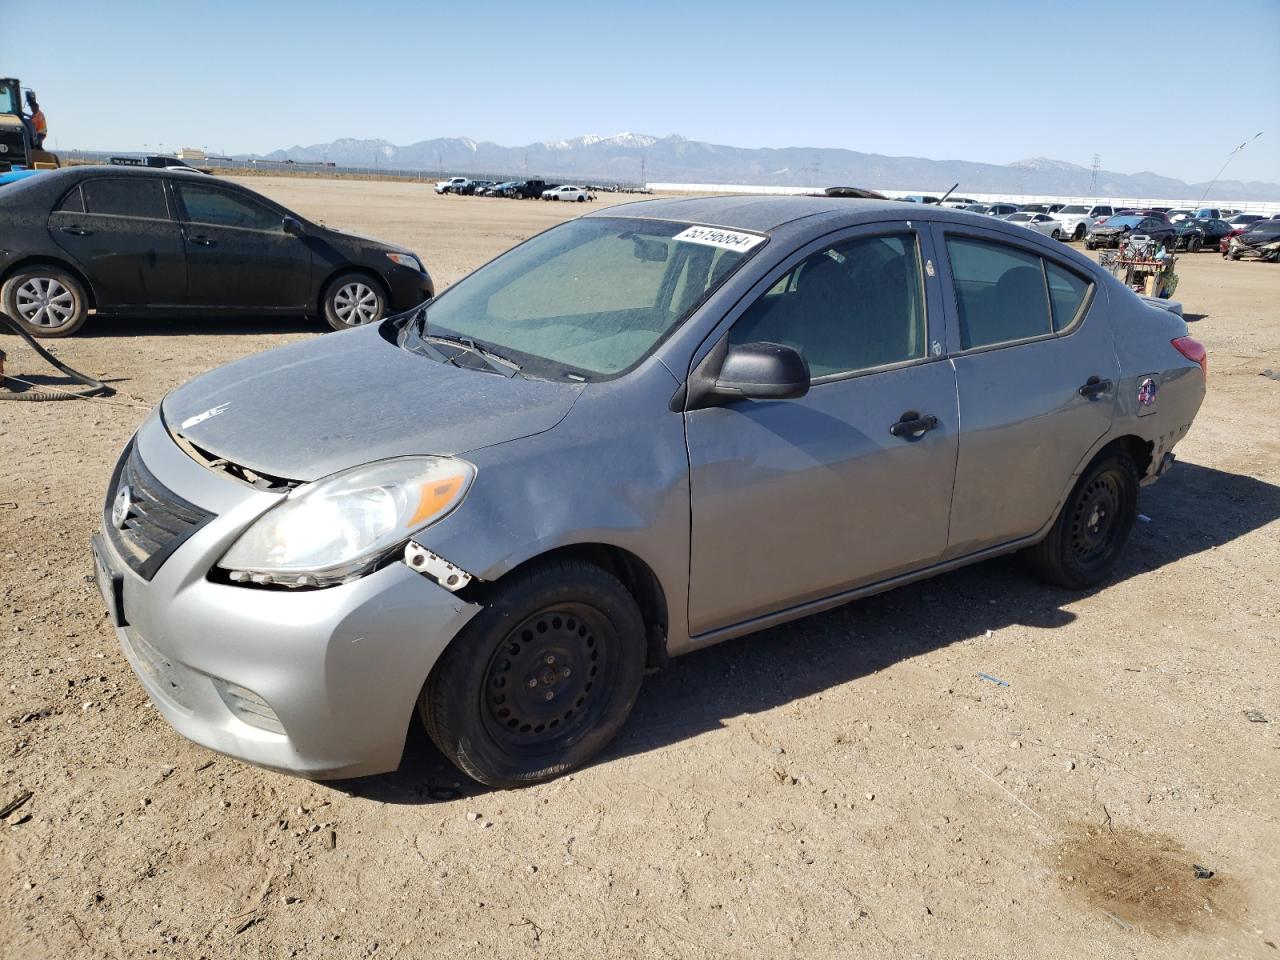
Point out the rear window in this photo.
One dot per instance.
(126, 198)
(72, 202)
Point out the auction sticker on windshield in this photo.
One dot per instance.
(714, 237)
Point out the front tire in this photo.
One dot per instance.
(46, 301)
(1090, 533)
(541, 679)
(353, 300)
(1079, 234)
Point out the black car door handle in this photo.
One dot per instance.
(912, 425)
(77, 231)
(202, 241)
(1094, 386)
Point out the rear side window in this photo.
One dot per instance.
(72, 202)
(224, 208)
(1000, 293)
(1067, 291)
(126, 198)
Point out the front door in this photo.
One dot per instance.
(120, 232)
(1036, 371)
(238, 255)
(798, 500)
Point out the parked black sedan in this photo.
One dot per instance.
(1193, 235)
(1113, 230)
(139, 241)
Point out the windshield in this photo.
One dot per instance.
(8, 98)
(1124, 221)
(1075, 208)
(593, 296)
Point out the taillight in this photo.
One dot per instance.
(1194, 351)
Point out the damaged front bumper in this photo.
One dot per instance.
(318, 683)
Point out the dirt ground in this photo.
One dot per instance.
(847, 785)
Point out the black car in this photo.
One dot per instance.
(1192, 235)
(165, 242)
(1259, 242)
(1113, 230)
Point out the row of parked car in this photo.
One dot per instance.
(516, 189)
(1105, 225)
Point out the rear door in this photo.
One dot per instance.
(797, 500)
(238, 255)
(1036, 372)
(121, 233)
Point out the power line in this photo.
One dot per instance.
(1224, 165)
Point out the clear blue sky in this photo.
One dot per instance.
(991, 81)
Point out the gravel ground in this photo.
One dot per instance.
(842, 786)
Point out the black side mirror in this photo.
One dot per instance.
(762, 371)
(291, 226)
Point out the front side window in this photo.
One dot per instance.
(856, 305)
(593, 296)
(223, 208)
(121, 197)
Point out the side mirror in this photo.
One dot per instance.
(292, 226)
(762, 371)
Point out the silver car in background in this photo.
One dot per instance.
(641, 432)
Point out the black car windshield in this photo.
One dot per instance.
(1123, 221)
(591, 297)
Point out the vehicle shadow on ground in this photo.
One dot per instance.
(198, 326)
(1195, 509)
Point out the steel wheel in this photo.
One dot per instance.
(548, 681)
(1094, 517)
(44, 303)
(356, 303)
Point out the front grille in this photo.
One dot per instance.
(156, 522)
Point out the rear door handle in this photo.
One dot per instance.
(912, 425)
(1094, 386)
(76, 231)
(202, 241)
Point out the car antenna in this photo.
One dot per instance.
(949, 193)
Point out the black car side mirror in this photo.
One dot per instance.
(291, 226)
(762, 371)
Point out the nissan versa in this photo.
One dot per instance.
(636, 434)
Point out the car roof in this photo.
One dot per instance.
(764, 214)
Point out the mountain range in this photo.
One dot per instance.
(632, 158)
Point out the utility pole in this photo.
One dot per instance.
(1093, 176)
(643, 181)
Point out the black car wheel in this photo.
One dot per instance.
(46, 301)
(352, 300)
(1086, 540)
(541, 679)
(1194, 245)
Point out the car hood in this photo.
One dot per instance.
(1108, 228)
(307, 410)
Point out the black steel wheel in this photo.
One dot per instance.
(542, 677)
(1089, 535)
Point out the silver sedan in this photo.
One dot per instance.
(644, 431)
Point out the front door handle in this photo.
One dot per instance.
(1094, 386)
(202, 241)
(77, 231)
(912, 425)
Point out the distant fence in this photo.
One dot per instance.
(1245, 206)
(375, 170)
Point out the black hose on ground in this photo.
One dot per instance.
(94, 388)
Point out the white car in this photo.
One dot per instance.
(566, 192)
(1077, 218)
(452, 185)
(1039, 222)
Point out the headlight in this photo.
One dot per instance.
(406, 260)
(338, 528)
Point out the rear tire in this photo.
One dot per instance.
(541, 679)
(1056, 235)
(1090, 533)
(353, 300)
(46, 301)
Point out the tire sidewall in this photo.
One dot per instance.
(1085, 574)
(9, 294)
(452, 701)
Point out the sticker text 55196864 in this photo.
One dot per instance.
(715, 237)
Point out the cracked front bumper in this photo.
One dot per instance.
(318, 683)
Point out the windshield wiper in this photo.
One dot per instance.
(495, 362)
